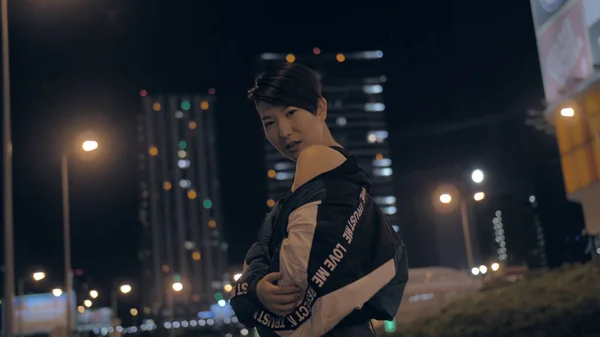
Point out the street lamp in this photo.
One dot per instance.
(125, 289)
(93, 293)
(37, 276)
(445, 198)
(177, 286)
(87, 303)
(479, 196)
(57, 292)
(477, 176)
(88, 145)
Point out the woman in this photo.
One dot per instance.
(327, 261)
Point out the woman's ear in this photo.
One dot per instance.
(322, 109)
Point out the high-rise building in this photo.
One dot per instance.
(180, 207)
(353, 86)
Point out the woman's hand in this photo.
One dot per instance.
(280, 300)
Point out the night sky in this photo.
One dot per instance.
(79, 65)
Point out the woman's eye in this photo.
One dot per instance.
(291, 112)
(267, 124)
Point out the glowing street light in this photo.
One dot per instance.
(228, 288)
(483, 269)
(237, 277)
(87, 303)
(479, 196)
(567, 112)
(125, 289)
(475, 271)
(177, 286)
(133, 312)
(38, 276)
(57, 292)
(89, 145)
(94, 294)
(477, 176)
(495, 266)
(445, 198)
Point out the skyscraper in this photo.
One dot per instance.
(353, 86)
(180, 207)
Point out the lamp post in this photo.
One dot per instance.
(9, 258)
(123, 289)
(37, 276)
(477, 177)
(88, 145)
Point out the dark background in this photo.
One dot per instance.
(79, 65)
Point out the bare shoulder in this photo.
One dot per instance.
(315, 160)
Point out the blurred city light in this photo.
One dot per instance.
(477, 176)
(495, 266)
(94, 294)
(475, 271)
(125, 289)
(445, 198)
(133, 312)
(483, 269)
(89, 145)
(228, 287)
(56, 292)
(87, 303)
(237, 277)
(479, 196)
(81, 309)
(567, 112)
(38, 276)
(177, 286)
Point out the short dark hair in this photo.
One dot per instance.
(288, 84)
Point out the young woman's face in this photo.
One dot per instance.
(292, 129)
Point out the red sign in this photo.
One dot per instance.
(564, 51)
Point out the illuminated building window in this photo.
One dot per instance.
(271, 173)
(290, 58)
(204, 105)
(167, 185)
(270, 202)
(191, 194)
(341, 121)
(386, 200)
(383, 172)
(196, 256)
(373, 89)
(284, 165)
(156, 106)
(390, 210)
(183, 163)
(374, 107)
(377, 136)
(192, 125)
(381, 162)
(153, 150)
(340, 57)
(284, 175)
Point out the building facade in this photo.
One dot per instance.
(180, 209)
(567, 35)
(353, 86)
